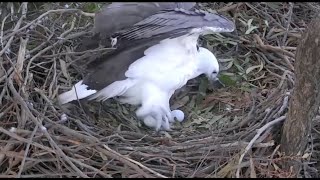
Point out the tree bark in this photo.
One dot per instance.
(305, 99)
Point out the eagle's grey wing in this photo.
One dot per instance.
(110, 67)
(118, 15)
(176, 21)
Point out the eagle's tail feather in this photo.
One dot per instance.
(117, 88)
(78, 91)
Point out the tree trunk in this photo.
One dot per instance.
(305, 99)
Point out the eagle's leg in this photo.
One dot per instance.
(167, 118)
(156, 117)
(166, 124)
(151, 122)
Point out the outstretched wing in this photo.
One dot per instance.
(145, 34)
(176, 22)
(118, 15)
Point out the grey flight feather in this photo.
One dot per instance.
(179, 20)
(118, 15)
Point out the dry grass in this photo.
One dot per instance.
(39, 138)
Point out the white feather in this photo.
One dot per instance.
(117, 88)
(78, 91)
(167, 64)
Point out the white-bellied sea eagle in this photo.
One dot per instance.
(154, 57)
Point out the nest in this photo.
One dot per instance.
(229, 132)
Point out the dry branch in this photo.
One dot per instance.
(259, 132)
(271, 48)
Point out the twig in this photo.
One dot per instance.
(2, 26)
(46, 99)
(274, 151)
(45, 14)
(27, 151)
(15, 136)
(264, 14)
(38, 54)
(7, 147)
(91, 168)
(15, 30)
(283, 106)
(51, 141)
(21, 55)
(124, 161)
(41, 45)
(229, 8)
(133, 161)
(20, 60)
(290, 66)
(69, 30)
(259, 132)
(271, 48)
(253, 173)
(288, 24)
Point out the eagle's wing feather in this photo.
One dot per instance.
(119, 15)
(174, 22)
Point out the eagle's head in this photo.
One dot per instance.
(208, 65)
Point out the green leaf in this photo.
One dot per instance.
(246, 60)
(181, 102)
(91, 7)
(227, 80)
(266, 22)
(64, 68)
(260, 77)
(226, 60)
(260, 66)
(229, 65)
(193, 121)
(217, 120)
(243, 22)
(192, 103)
(231, 42)
(251, 29)
(249, 23)
(236, 63)
(214, 119)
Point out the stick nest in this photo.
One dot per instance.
(219, 138)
